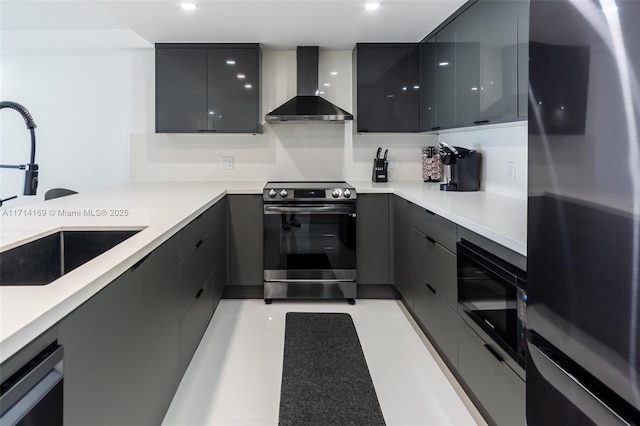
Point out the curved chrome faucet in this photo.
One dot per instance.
(31, 169)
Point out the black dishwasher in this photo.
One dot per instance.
(34, 394)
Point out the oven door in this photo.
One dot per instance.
(491, 292)
(312, 241)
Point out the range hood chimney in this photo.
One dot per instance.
(307, 106)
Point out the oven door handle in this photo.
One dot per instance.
(317, 209)
(305, 280)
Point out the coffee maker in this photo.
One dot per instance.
(462, 168)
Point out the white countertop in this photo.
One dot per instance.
(161, 209)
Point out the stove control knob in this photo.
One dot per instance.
(283, 193)
(336, 193)
(272, 193)
(347, 193)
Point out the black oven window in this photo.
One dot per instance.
(309, 241)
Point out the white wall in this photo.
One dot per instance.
(95, 116)
(499, 145)
(81, 105)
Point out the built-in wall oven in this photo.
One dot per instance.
(493, 294)
(309, 240)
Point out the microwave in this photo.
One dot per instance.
(492, 292)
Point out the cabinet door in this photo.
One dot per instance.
(446, 77)
(523, 58)
(195, 322)
(219, 238)
(428, 85)
(103, 354)
(387, 88)
(437, 318)
(233, 76)
(468, 29)
(158, 330)
(500, 390)
(499, 60)
(373, 239)
(402, 249)
(245, 240)
(181, 90)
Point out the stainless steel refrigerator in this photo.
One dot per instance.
(584, 213)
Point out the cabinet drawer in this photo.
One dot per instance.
(435, 227)
(193, 272)
(436, 266)
(437, 318)
(498, 388)
(194, 324)
(195, 231)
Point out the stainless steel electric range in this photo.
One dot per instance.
(309, 241)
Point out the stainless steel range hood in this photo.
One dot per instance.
(307, 106)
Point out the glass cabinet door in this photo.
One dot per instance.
(233, 90)
(446, 76)
(428, 86)
(181, 89)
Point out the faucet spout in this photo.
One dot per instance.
(31, 169)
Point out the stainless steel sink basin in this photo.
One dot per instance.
(46, 259)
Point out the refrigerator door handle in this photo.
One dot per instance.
(599, 412)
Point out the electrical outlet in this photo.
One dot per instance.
(226, 163)
(511, 171)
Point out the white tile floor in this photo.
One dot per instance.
(234, 377)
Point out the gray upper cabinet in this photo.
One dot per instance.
(387, 98)
(446, 78)
(428, 86)
(499, 60)
(468, 46)
(207, 88)
(523, 58)
(480, 65)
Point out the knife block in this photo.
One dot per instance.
(380, 170)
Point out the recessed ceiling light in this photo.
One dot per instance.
(231, 62)
(241, 76)
(372, 6)
(188, 5)
(334, 73)
(327, 84)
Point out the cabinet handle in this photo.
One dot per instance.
(431, 240)
(430, 212)
(199, 243)
(431, 288)
(494, 353)
(199, 293)
(436, 128)
(481, 122)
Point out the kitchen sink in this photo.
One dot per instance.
(46, 259)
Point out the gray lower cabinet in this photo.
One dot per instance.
(402, 249)
(220, 240)
(434, 280)
(127, 347)
(500, 391)
(436, 317)
(373, 239)
(245, 240)
(113, 356)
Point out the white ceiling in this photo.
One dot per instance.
(277, 24)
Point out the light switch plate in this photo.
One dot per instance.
(226, 163)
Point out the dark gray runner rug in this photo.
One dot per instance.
(325, 378)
